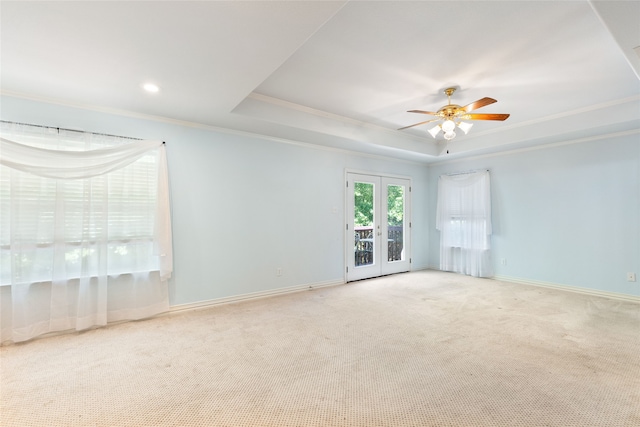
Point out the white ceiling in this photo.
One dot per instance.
(341, 74)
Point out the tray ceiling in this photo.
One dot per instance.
(339, 74)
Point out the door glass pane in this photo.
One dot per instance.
(363, 223)
(395, 219)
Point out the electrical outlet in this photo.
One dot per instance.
(503, 261)
(631, 277)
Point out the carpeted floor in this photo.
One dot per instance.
(416, 349)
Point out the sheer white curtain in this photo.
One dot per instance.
(464, 220)
(85, 230)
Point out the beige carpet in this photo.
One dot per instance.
(416, 349)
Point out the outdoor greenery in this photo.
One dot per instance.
(363, 199)
(395, 204)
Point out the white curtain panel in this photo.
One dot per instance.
(85, 230)
(464, 219)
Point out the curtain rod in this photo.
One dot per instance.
(462, 173)
(71, 130)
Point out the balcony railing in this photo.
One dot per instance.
(364, 244)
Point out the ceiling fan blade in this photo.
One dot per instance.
(418, 124)
(423, 112)
(478, 104)
(486, 117)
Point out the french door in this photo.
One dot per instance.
(378, 226)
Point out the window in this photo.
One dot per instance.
(80, 213)
(464, 221)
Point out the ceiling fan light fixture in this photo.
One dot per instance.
(434, 130)
(465, 126)
(448, 126)
(452, 115)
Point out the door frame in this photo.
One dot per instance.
(348, 233)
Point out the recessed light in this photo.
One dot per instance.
(150, 87)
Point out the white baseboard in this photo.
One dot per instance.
(200, 305)
(253, 295)
(577, 289)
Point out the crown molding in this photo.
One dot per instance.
(308, 110)
(537, 147)
(194, 125)
(562, 115)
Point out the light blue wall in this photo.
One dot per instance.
(567, 215)
(243, 205)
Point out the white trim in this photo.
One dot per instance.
(194, 125)
(364, 172)
(320, 113)
(194, 306)
(575, 112)
(537, 147)
(251, 296)
(577, 289)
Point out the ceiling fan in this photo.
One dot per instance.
(452, 115)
